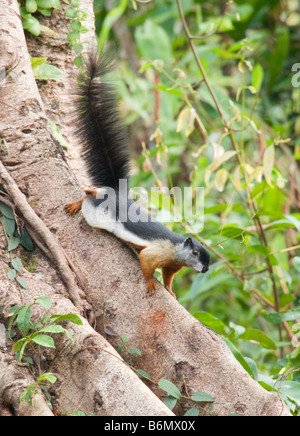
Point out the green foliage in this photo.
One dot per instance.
(31, 11)
(34, 388)
(174, 394)
(37, 334)
(16, 236)
(224, 117)
(44, 71)
(21, 315)
(172, 391)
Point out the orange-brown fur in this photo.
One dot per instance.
(159, 254)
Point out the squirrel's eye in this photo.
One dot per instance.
(195, 253)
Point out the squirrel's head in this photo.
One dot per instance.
(193, 254)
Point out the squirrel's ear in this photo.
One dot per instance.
(188, 242)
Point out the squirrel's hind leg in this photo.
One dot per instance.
(75, 207)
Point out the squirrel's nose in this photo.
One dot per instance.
(205, 269)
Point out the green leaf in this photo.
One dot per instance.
(36, 62)
(71, 12)
(49, 72)
(25, 239)
(170, 402)
(47, 4)
(260, 337)
(47, 30)
(266, 386)
(7, 211)
(32, 24)
(135, 351)
(278, 317)
(23, 319)
(73, 36)
(75, 319)
(9, 226)
(11, 274)
(44, 340)
(31, 6)
(48, 376)
(216, 209)
(202, 283)
(170, 388)
(45, 302)
(257, 77)
(293, 220)
(76, 25)
(16, 263)
(194, 411)
(58, 135)
(141, 373)
(17, 346)
(69, 336)
(15, 310)
(109, 21)
(253, 367)
(296, 263)
(202, 397)
(45, 12)
(78, 61)
(261, 249)
(221, 179)
(210, 321)
(53, 328)
(153, 48)
(238, 356)
(56, 4)
(22, 282)
(13, 243)
(77, 47)
(292, 390)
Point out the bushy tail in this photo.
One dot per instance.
(99, 127)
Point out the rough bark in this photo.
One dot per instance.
(174, 345)
(92, 377)
(13, 380)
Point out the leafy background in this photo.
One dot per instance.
(250, 174)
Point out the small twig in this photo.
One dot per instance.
(253, 273)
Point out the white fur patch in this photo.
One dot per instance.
(95, 217)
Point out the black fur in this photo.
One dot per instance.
(102, 134)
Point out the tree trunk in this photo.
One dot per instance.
(173, 344)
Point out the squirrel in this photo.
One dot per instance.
(106, 154)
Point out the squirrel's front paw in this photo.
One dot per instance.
(151, 288)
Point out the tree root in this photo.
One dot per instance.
(13, 380)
